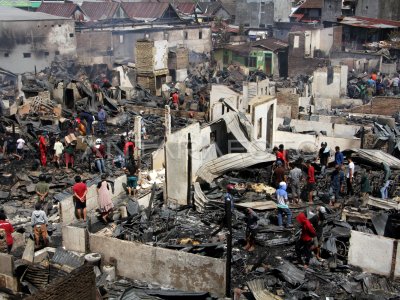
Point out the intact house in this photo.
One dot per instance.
(32, 41)
(268, 55)
(65, 10)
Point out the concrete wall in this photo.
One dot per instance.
(331, 10)
(75, 238)
(360, 62)
(254, 12)
(67, 205)
(308, 142)
(386, 106)
(373, 253)
(42, 40)
(260, 112)
(282, 10)
(382, 9)
(177, 269)
(160, 55)
(94, 47)
(219, 91)
(332, 129)
(320, 87)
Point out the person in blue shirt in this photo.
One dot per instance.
(339, 158)
(228, 196)
(102, 116)
(283, 207)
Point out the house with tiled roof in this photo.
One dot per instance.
(66, 10)
(97, 11)
(149, 11)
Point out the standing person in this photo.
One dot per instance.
(386, 180)
(339, 158)
(43, 149)
(304, 243)
(104, 198)
(175, 100)
(99, 151)
(228, 197)
(6, 229)
(278, 174)
(317, 222)
(120, 157)
(39, 223)
(284, 155)
(251, 229)
(129, 149)
(365, 187)
(58, 150)
(131, 178)
(283, 207)
(102, 118)
(20, 147)
(42, 191)
(395, 84)
(310, 181)
(295, 178)
(70, 154)
(80, 190)
(323, 155)
(279, 155)
(350, 176)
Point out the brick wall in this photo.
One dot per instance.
(298, 64)
(386, 106)
(292, 100)
(80, 284)
(144, 56)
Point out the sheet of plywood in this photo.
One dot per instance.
(258, 205)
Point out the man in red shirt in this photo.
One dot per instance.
(175, 100)
(80, 190)
(7, 229)
(303, 245)
(310, 181)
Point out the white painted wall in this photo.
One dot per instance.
(308, 142)
(320, 88)
(160, 55)
(260, 113)
(219, 91)
(282, 10)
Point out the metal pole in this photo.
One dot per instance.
(228, 216)
(189, 182)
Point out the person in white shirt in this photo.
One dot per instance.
(58, 148)
(350, 176)
(20, 148)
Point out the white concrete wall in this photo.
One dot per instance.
(282, 10)
(160, 55)
(260, 112)
(320, 88)
(308, 142)
(372, 253)
(332, 129)
(219, 91)
(67, 205)
(170, 268)
(74, 238)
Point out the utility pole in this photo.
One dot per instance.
(228, 217)
(138, 139)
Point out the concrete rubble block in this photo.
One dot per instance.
(29, 251)
(6, 264)
(284, 111)
(370, 252)
(18, 240)
(9, 282)
(322, 104)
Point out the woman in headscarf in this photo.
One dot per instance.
(104, 198)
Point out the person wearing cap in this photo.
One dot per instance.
(323, 156)
(310, 181)
(99, 151)
(279, 174)
(283, 207)
(317, 221)
(228, 197)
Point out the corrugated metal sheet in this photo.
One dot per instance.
(100, 10)
(369, 22)
(376, 157)
(144, 10)
(234, 161)
(15, 14)
(65, 10)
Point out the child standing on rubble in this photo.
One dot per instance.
(283, 207)
(39, 223)
(58, 151)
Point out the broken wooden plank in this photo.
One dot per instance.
(258, 205)
(383, 203)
